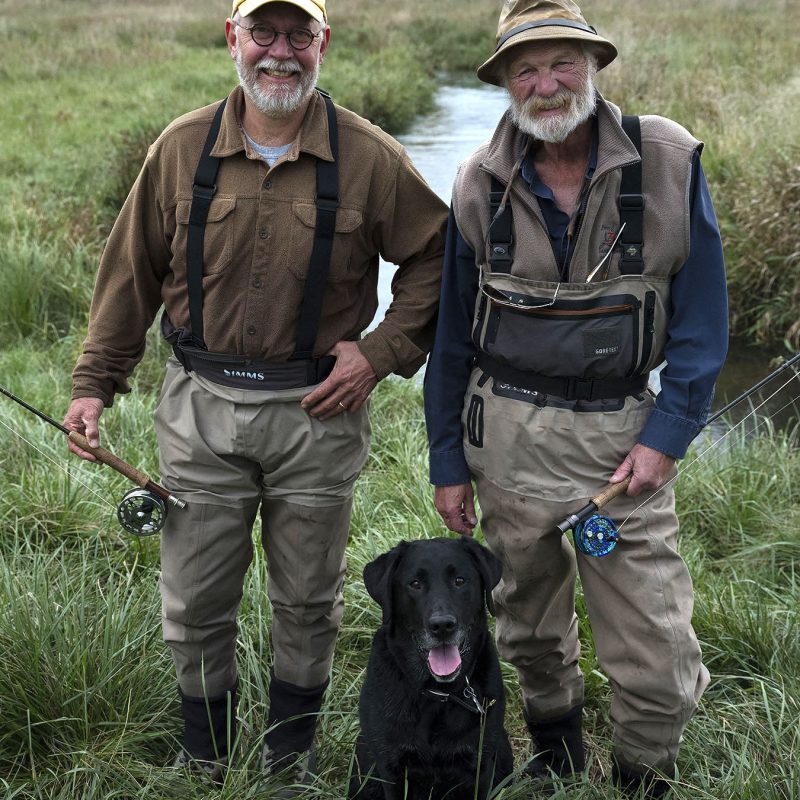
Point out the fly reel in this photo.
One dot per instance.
(596, 537)
(141, 512)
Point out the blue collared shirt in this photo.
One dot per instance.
(697, 335)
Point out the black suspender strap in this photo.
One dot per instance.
(327, 202)
(319, 266)
(501, 230)
(631, 204)
(203, 191)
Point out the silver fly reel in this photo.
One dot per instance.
(141, 512)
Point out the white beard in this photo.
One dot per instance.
(276, 101)
(579, 106)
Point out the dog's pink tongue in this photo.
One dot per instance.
(444, 659)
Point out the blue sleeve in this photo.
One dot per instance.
(697, 334)
(450, 363)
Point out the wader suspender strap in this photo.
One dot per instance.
(203, 190)
(631, 204)
(327, 201)
(631, 212)
(501, 230)
(319, 266)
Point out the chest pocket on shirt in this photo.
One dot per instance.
(344, 266)
(219, 236)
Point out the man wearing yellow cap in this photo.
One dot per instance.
(582, 252)
(258, 223)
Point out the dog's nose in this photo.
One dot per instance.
(442, 625)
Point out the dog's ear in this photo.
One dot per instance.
(489, 567)
(378, 576)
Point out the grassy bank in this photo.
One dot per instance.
(88, 707)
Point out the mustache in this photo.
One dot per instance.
(289, 67)
(561, 99)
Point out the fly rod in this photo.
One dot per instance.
(141, 511)
(596, 535)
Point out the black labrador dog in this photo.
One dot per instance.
(432, 705)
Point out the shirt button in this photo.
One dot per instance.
(251, 329)
(263, 233)
(257, 283)
(267, 184)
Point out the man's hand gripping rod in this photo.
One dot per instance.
(597, 536)
(141, 511)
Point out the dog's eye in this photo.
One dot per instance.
(415, 585)
(459, 581)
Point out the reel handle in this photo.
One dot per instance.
(611, 491)
(109, 459)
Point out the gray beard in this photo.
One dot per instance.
(580, 107)
(276, 101)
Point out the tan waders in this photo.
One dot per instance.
(530, 469)
(231, 453)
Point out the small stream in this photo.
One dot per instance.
(465, 115)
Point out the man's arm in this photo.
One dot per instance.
(446, 379)
(409, 231)
(697, 343)
(127, 295)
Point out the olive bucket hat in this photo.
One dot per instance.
(523, 21)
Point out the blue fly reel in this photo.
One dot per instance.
(596, 537)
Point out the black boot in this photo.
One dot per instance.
(640, 784)
(289, 741)
(558, 746)
(209, 731)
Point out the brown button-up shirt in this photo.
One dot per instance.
(258, 243)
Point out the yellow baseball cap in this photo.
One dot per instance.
(314, 8)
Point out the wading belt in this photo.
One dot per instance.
(631, 213)
(244, 372)
(571, 389)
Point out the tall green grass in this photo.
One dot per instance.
(88, 707)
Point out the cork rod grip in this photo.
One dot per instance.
(108, 458)
(611, 491)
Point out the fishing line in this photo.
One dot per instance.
(719, 441)
(64, 469)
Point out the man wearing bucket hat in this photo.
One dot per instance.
(582, 252)
(258, 224)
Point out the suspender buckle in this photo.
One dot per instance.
(328, 203)
(631, 202)
(204, 192)
(501, 253)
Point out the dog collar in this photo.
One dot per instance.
(467, 698)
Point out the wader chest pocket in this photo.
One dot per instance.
(601, 337)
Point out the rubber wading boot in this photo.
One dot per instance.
(209, 731)
(288, 750)
(558, 746)
(641, 784)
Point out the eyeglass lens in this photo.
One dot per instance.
(299, 38)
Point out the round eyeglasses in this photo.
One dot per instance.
(265, 35)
